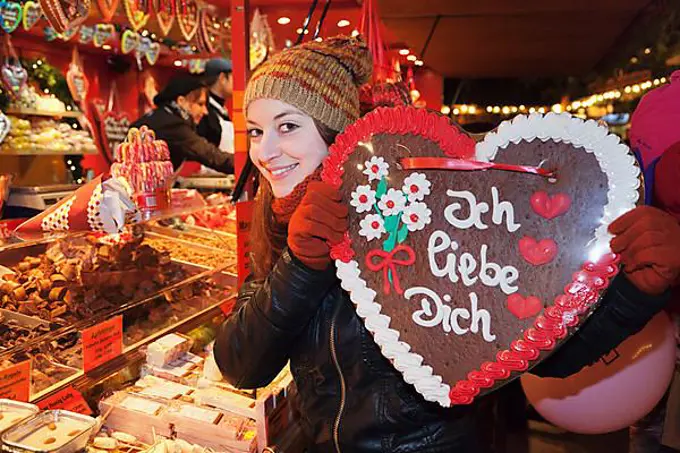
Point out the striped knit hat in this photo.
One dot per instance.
(319, 78)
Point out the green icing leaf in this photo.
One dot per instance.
(391, 223)
(390, 243)
(402, 234)
(381, 190)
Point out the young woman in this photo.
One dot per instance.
(293, 308)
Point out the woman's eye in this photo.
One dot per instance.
(254, 133)
(288, 127)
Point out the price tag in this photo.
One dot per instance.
(102, 343)
(68, 399)
(15, 382)
(244, 215)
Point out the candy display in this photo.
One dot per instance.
(78, 277)
(50, 431)
(14, 412)
(45, 136)
(204, 256)
(143, 161)
(31, 99)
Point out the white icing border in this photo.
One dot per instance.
(623, 180)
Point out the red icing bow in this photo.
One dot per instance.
(388, 263)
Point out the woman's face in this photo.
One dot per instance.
(196, 104)
(285, 144)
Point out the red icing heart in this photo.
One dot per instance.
(548, 206)
(454, 322)
(524, 308)
(537, 252)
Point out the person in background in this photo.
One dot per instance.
(216, 126)
(655, 139)
(293, 307)
(179, 108)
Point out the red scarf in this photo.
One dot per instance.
(284, 207)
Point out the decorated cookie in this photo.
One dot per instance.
(471, 262)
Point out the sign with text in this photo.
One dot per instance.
(102, 343)
(68, 399)
(244, 215)
(15, 382)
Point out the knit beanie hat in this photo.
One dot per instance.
(321, 79)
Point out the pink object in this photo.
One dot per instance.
(654, 126)
(524, 308)
(550, 206)
(537, 252)
(618, 390)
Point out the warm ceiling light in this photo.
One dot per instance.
(648, 51)
(404, 52)
(419, 62)
(299, 30)
(106, 47)
(177, 63)
(411, 58)
(283, 20)
(445, 109)
(342, 23)
(355, 33)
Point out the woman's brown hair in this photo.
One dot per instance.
(267, 239)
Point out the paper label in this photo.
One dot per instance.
(15, 382)
(102, 343)
(68, 399)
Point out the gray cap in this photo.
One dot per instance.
(216, 66)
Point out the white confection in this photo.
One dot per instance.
(105, 443)
(623, 182)
(167, 349)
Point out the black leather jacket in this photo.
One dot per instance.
(352, 399)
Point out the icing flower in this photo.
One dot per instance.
(372, 227)
(363, 198)
(416, 216)
(392, 203)
(416, 186)
(376, 168)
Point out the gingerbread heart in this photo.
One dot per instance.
(69, 33)
(431, 259)
(32, 14)
(187, 17)
(165, 15)
(138, 17)
(50, 34)
(152, 53)
(14, 77)
(209, 32)
(115, 127)
(129, 41)
(10, 16)
(102, 34)
(86, 35)
(107, 8)
(65, 14)
(77, 81)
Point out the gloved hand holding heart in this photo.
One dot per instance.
(471, 262)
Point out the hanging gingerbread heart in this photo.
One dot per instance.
(77, 81)
(14, 76)
(107, 8)
(129, 41)
(10, 16)
(50, 34)
(32, 14)
(136, 14)
(103, 33)
(65, 14)
(70, 33)
(210, 32)
(187, 18)
(152, 53)
(464, 260)
(86, 35)
(165, 15)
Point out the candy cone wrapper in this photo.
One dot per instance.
(103, 204)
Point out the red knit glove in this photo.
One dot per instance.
(648, 240)
(319, 220)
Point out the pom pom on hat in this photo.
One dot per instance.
(321, 79)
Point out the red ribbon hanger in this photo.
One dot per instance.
(449, 163)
